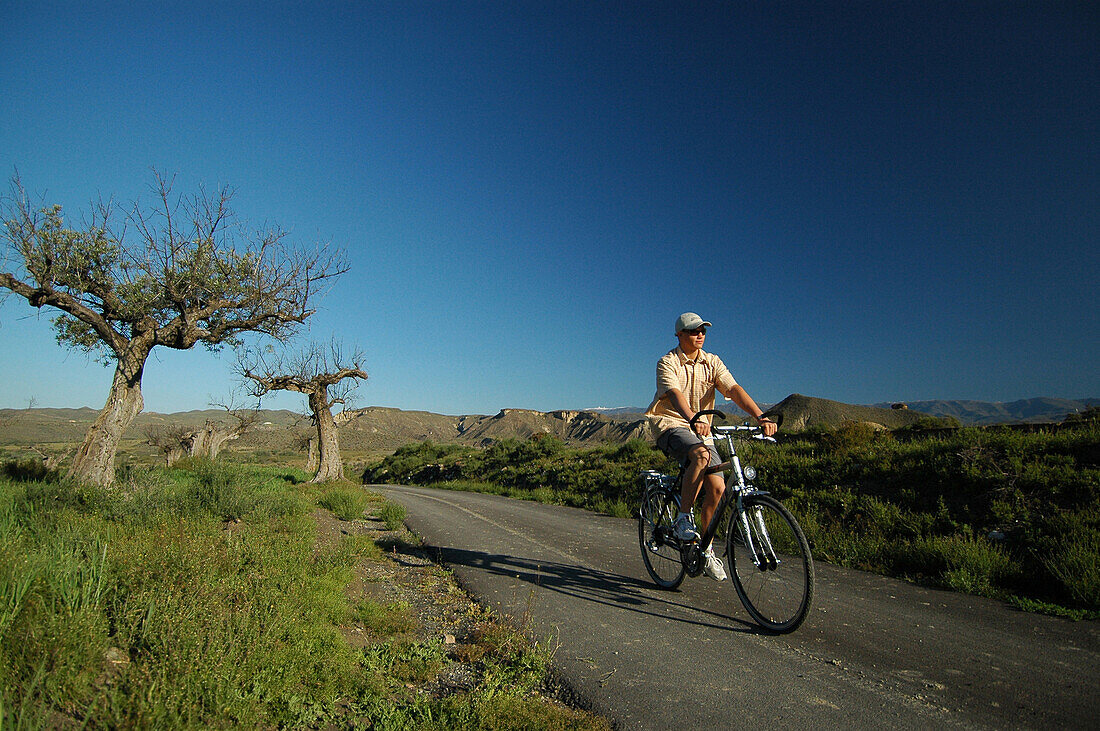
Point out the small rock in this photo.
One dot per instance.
(117, 657)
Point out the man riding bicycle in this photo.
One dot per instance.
(687, 378)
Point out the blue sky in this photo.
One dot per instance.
(871, 201)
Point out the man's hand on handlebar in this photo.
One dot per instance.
(701, 427)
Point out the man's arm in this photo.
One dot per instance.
(740, 396)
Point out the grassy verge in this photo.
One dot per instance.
(1002, 513)
(199, 596)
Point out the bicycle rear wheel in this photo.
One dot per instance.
(660, 552)
(776, 585)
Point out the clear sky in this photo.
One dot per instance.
(872, 201)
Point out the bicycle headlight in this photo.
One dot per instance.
(750, 473)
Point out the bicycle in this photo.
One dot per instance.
(769, 557)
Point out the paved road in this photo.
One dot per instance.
(875, 652)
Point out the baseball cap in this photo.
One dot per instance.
(690, 321)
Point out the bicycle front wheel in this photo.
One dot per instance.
(660, 551)
(773, 571)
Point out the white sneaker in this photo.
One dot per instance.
(684, 528)
(712, 565)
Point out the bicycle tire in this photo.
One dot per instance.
(660, 554)
(778, 592)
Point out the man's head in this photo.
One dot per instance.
(691, 331)
(690, 321)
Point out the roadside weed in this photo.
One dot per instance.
(392, 514)
(345, 502)
(200, 597)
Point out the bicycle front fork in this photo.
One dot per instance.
(757, 540)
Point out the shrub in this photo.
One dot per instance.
(964, 563)
(392, 514)
(28, 470)
(1070, 552)
(1090, 415)
(929, 423)
(222, 489)
(853, 436)
(346, 503)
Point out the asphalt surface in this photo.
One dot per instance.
(874, 652)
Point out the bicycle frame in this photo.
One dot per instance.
(736, 488)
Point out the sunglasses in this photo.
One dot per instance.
(696, 331)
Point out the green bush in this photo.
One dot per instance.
(346, 503)
(1069, 550)
(854, 436)
(28, 470)
(392, 514)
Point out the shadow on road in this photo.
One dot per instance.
(593, 585)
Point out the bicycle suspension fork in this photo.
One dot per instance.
(756, 536)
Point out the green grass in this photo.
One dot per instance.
(199, 597)
(392, 514)
(1002, 513)
(346, 502)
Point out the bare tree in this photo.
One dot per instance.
(217, 433)
(326, 375)
(177, 442)
(171, 441)
(180, 272)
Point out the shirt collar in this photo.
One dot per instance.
(684, 359)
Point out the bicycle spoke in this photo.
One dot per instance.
(660, 551)
(776, 583)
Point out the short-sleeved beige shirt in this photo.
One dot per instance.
(697, 380)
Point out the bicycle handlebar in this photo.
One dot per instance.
(727, 429)
(704, 412)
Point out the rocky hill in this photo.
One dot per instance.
(44, 426)
(375, 428)
(798, 413)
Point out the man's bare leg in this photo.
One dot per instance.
(698, 459)
(713, 487)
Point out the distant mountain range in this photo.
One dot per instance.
(376, 430)
(984, 413)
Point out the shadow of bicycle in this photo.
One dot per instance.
(592, 585)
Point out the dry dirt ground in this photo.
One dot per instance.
(424, 603)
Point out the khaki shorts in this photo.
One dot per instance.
(678, 441)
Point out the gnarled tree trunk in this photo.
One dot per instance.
(95, 460)
(331, 467)
(173, 454)
(208, 441)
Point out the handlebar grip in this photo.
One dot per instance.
(704, 412)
